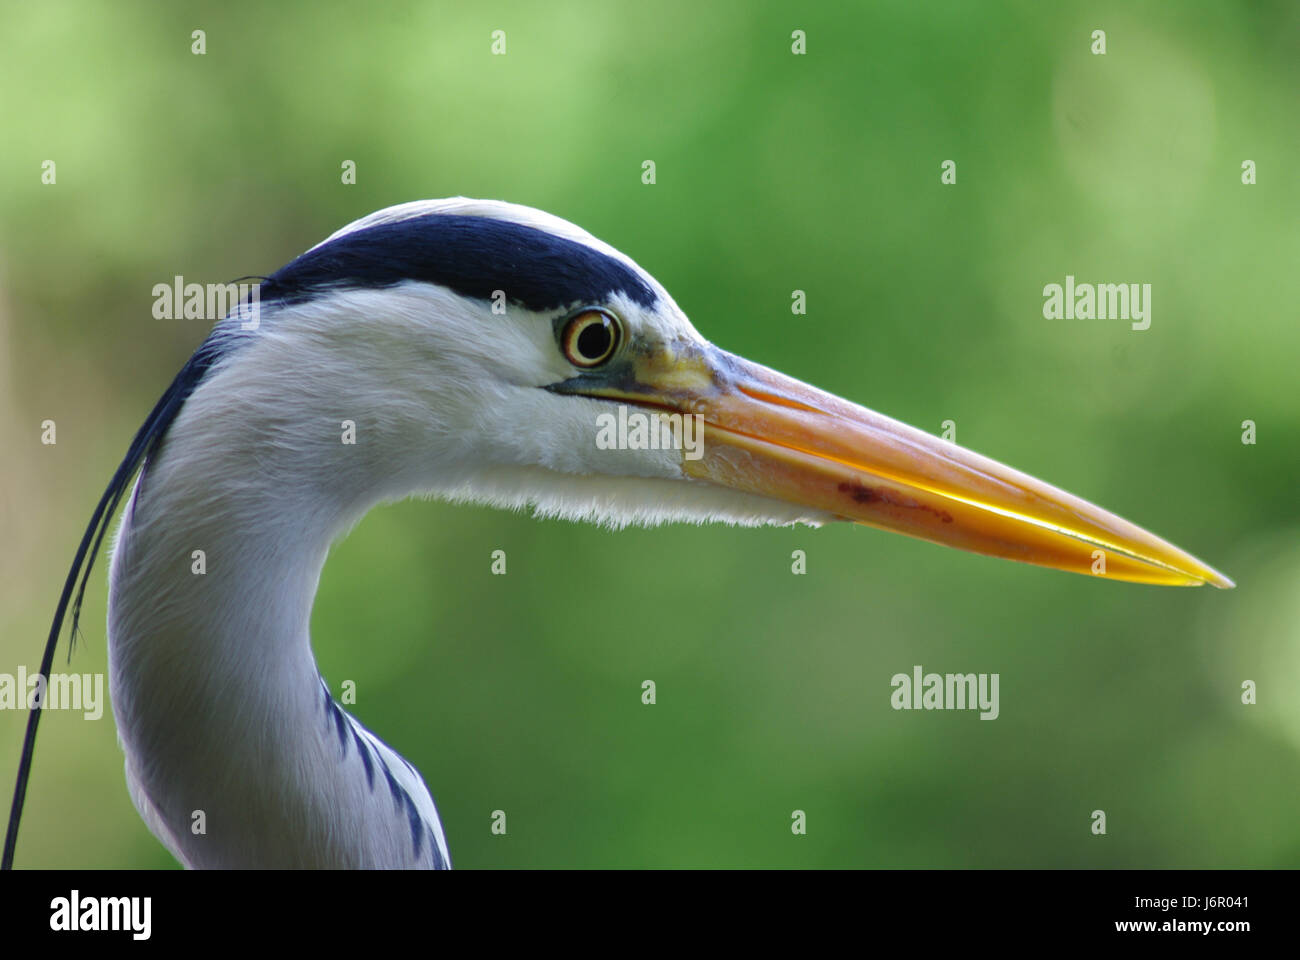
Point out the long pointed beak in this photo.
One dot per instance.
(768, 434)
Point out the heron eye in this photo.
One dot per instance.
(590, 338)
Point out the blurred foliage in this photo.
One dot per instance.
(775, 172)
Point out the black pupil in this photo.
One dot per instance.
(595, 339)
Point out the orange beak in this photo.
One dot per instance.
(768, 434)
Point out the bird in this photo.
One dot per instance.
(480, 351)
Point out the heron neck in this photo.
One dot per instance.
(219, 703)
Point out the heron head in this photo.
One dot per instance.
(513, 359)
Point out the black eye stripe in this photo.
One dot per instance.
(590, 338)
(474, 256)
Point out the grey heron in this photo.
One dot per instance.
(475, 346)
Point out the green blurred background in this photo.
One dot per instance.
(775, 172)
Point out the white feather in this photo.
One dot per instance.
(215, 687)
